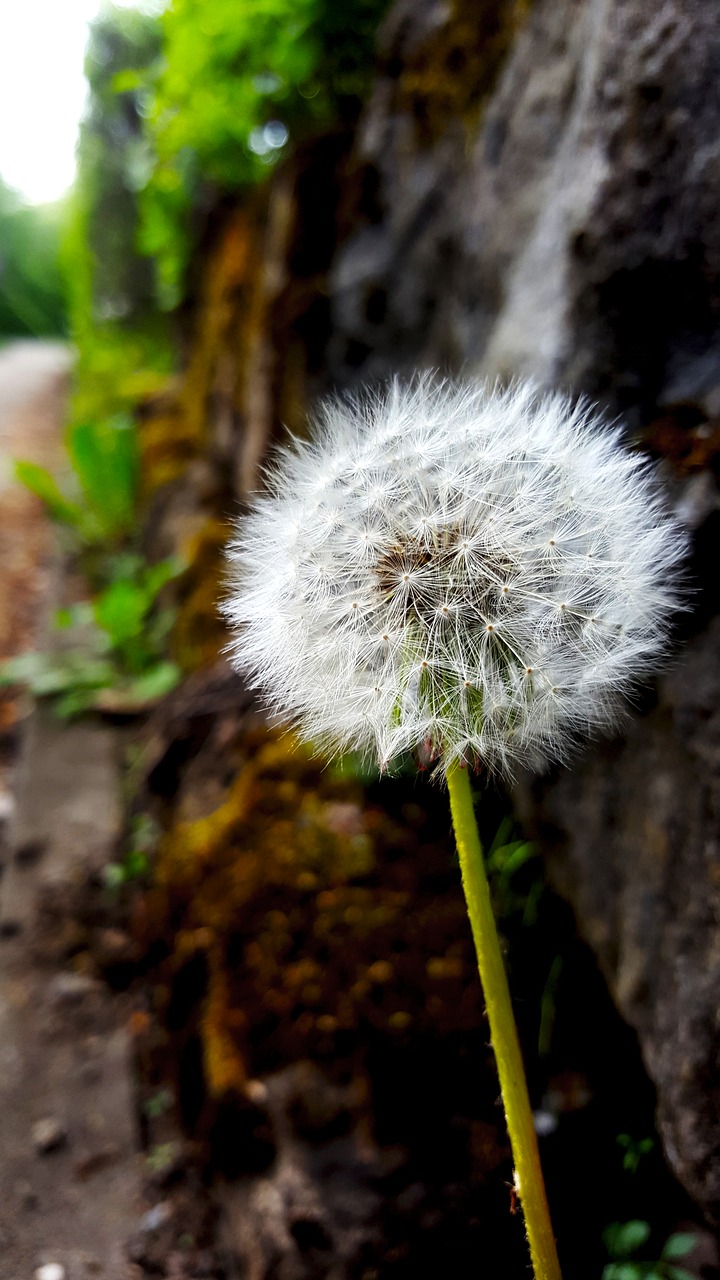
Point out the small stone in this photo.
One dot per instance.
(257, 1092)
(113, 946)
(156, 1217)
(71, 988)
(48, 1135)
(51, 1271)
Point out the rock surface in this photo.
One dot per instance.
(561, 222)
(563, 227)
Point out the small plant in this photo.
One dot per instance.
(99, 510)
(112, 657)
(159, 1103)
(161, 1157)
(634, 1150)
(624, 1239)
(504, 859)
(135, 863)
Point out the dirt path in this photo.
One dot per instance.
(33, 387)
(69, 1172)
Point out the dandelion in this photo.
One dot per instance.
(476, 576)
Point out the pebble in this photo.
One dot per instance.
(156, 1217)
(51, 1271)
(48, 1135)
(70, 988)
(113, 946)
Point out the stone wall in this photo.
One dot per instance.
(534, 188)
(559, 217)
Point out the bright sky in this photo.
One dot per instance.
(42, 90)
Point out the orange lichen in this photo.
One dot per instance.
(229, 272)
(199, 633)
(280, 827)
(179, 425)
(447, 77)
(684, 436)
(219, 1026)
(313, 915)
(167, 445)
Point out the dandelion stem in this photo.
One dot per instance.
(513, 1086)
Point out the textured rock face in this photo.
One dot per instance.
(560, 219)
(633, 837)
(566, 228)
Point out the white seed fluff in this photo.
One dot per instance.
(466, 573)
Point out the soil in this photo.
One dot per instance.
(69, 1184)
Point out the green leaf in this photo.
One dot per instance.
(127, 81)
(135, 863)
(623, 1238)
(635, 1149)
(677, 1245)
(74, 703)
(104, 457)
(677, 1273)
(518, 855)
(22, 669)
(113, 875)
(623, 1271)
(121, 610)
(159, 1103)
(155, 683)
(40, 482)
(158, 575)
(502, 837)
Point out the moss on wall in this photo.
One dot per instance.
(317, 917)
(446, 78)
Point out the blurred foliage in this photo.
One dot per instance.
(110, 281)
(236, 87)
(505, 858)
(113, 655)
(32, 291)
(134, 866)
(124, 345)
(185, 108)
(113, 659)
(101, 509)
(623, 1240)
(635, 1149)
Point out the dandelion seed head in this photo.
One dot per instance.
(470, 574)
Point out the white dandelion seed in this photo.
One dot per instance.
(475, 574)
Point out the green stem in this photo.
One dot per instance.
(528, 1174)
